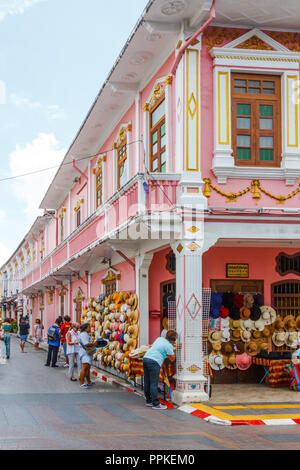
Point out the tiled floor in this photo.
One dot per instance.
(252, 393)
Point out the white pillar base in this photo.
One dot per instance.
(182, 397)
(189, 389)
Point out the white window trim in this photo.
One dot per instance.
(127, 128)
(276, 62)
(166, 80)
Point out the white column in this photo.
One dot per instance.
(190, 378)
(142, 264)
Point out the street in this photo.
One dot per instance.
(40, 409)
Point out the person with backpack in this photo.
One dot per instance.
(53, 343)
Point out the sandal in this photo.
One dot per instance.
(73, 379)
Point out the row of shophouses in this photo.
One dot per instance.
(184, 175)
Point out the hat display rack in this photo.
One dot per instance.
(242, 327)
(116, 319)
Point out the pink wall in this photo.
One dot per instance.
(261, 265)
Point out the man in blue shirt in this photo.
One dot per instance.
(152, 362)
(53, 343)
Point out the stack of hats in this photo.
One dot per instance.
(286, 332)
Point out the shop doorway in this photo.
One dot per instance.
(167, 297)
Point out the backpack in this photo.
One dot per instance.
(52, 334)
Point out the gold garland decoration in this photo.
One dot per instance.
(254, 188)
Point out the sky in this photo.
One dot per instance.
(54, 57)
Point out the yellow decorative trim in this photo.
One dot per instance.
(63, 210)
(273, 59)
(78, 205)
(227, 108)
(254, 188)
(157, 92)
(111, 277)
(125, 128)
(99, 164)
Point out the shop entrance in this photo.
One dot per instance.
(167, 296)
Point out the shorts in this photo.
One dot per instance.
(23, 338)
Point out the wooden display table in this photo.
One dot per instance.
(167, 370)
(276, 373)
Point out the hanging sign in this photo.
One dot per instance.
(237, 270)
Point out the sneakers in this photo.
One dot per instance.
(149, 404)
(66, 365)
(91, 383)
(159, 407)
(84, 386)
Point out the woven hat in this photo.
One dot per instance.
(235, 335)
(256, 334)
(278, 338)
(228, 299)
(245, 313)
(259, 300)
(224, 312)
(268, 314)
(298, 323)
(224, 323)
(165, 323)
(248, 301)
(245, 336)
(238, 300)
(289, 323)
(279, 324)
(264, 345)
(225, 335)
(246, 325)
(214, 336)
(234, 312)
(252, 348)
(243, 361)
(238, 347)
(234, 324)
(291, 340)
(216, 347)
(230, 361)
(266, 333)
(258, 325)
(216, 361)
(227, 348)
(255, 312)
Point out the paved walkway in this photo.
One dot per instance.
(41, 409)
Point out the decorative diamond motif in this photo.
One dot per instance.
(194, 369)
(193, 246)
(179, 248)
(180, 307)
(193, 229)
(192, 106)
(193, 307)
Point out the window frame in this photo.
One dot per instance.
(123, 160)
(156, 128)
(255, 100)
(99, 186)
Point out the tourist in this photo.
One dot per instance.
(2, 345)
(72, 350)
(152, 362)
(86, 351)
(38, 333)
(53, 343)
(6, 328)
(62, 333)
(23, 331)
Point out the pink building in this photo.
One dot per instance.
(190, 153)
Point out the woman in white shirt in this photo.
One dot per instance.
(73, 350)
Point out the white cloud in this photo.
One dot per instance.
(15, 7)
(52, 111)
(42, 152)
(4, 253)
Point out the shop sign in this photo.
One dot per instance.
(237, 270)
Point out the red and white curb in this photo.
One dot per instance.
(235, 422)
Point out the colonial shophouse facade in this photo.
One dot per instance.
(191, 151)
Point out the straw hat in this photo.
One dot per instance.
(216, 347)
(235, 335)
(245, 313)
(216, 361)
(298, 323)
(289, 323)
(263, 345)
(255, 312)
(252, 348)
(278, 338)
(246, 325)
(225, 335)
(234, 324)
(214, 336)
(165, 323)
(243, 361)
(245, 336)
(238, 347)
(266, 333)
(224, 312)
(279, 324)
(291, 340)
(248, 301)
(230, 361)
(258, 325)
(227, 348)
(256, 334)
(234, 312)
(224, 323)
(268, 314)
(238, 300)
